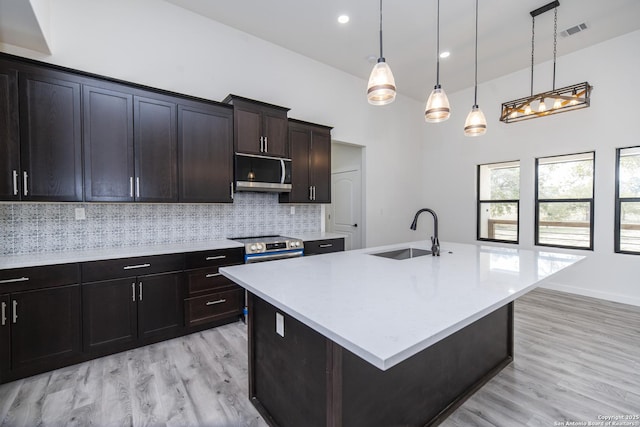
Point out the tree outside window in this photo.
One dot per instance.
(564, 201)
(627, 225)
(498, 202)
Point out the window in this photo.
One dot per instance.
(627, 225)
(499, 201)
(564, 201)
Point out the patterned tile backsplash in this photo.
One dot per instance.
(51, 227)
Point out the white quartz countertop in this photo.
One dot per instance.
(386, 310)
(51, 258)
(320, 235)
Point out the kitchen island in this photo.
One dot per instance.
(355, 339)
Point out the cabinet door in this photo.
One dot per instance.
(50, 140)
(109, 315)
(108, 145)
(45, 327)
(156, 150)
(248, 130)
(160, 304)
(5, 336)
(275, 131)
(299, 141)
(320, 166)
(205, 146)
(9, 135)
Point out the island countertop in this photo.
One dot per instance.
(386, 310)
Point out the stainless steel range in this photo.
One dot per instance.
(268, 248)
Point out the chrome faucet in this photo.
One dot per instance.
(435, 243)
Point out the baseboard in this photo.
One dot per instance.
(624, 299)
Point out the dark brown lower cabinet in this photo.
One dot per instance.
(120, 314)
(45, 328)
(5, 336)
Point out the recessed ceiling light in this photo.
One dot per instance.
(445, 54)
(343, 19)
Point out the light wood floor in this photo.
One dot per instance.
(576, 359)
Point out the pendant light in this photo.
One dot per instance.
(476, 123)
(437, 109)
(381, 89)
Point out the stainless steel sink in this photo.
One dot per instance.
(404, 253)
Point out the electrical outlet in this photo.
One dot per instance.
(80, 214)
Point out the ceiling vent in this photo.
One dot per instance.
(574, 30)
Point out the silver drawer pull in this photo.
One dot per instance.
(211, 258)
(15, 311)
(220, 301)
(210, 275)
(15, 182)
(131, 267)
(4, 313)
(19, 279)
(326, 245)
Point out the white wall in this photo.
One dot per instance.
(450, 159)
(161, 45)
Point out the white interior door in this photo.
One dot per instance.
(345, 213)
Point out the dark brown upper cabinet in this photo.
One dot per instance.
(205, 147)
(10, 181)
(108, 145)
(259, 128)
(130, 146)
(50, 136)
(310, 149)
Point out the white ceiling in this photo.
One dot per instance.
(310, 27)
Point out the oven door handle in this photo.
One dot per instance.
(267, 257)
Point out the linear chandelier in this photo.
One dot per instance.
(568, 98)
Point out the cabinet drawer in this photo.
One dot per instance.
(206, 280)
(316, 247)
(214, 258)
(212, 307)
(38, 277)
(129, 267)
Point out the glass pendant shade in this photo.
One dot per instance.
(437, 109)
(476, 123)
(381, 89)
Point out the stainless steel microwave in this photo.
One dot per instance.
(262, 173)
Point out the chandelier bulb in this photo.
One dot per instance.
(476, 123)
(557, 103)
(542, 107)
(437, 109)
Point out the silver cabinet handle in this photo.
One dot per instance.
(326, 245)
(15, 311)
(262, 144)
(210, 275)
(133, 267)
(266, 144)
(25, 177)
(137, 186)
(133, 292)
(18, 279)
(130, 186)
(4, 313)
(15, 182)
(220, 301)
(310, 192)
(211, 258)
(314, 192)
(232, 191)
(140, 284)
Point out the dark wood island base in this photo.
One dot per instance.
(305, 379)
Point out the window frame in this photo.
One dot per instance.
(480, 201)
(590, 200)
(618, 207)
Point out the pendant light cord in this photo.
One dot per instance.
(555, 44)
(438, 47)
(475, 95)
(381, 56)
(533, 33)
